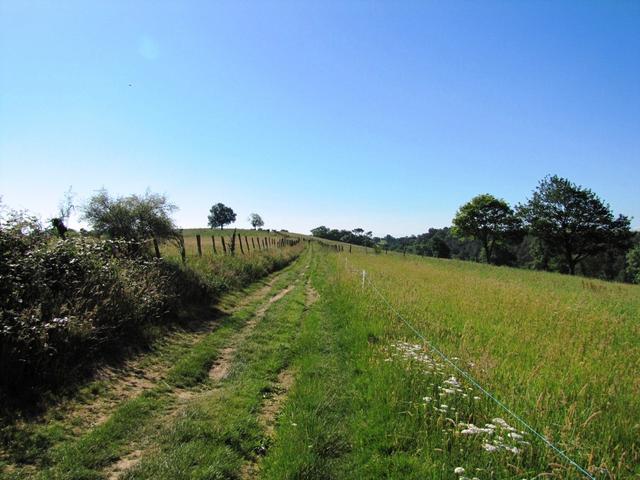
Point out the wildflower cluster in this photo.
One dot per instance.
(452, 400)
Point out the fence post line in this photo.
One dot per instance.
(224, 247)
(213, 242)
(246, 242)
(156, 247)
(199, 245)
(253, 243)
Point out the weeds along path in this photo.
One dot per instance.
(220, 431)
(107, 421)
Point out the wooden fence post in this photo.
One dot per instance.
(156, 248)
(240, 242)
(183, 253)
(253, 243)
(246, 242)
(232, 246)
(213, 242)
(224, 247)
(199, 245)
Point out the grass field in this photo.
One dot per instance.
(310, 375)
(561, 351)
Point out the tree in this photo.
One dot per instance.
(489, 220)
(572, 221)
(65, 207)
(320, 231)
(134, 217)
(439, 248)
(633, 264)
(221, 215)
(256, 220)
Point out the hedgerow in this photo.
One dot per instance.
(64, 303)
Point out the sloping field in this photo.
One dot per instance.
(562, 352)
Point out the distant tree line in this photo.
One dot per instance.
(563, 228)
(357, 236)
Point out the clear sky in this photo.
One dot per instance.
(381, 115)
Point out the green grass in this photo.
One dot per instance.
(217, 433)
(561, 351)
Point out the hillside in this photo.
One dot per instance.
(311, 373)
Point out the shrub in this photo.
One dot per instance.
(63, 301)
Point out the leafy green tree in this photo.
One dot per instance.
(633, 264)
(439, 248)
(256, 221)
(221, 215)
(320, 232)
(134, 217)
(572, 221)
(489, 220)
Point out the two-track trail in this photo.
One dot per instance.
(147, 418)
(221, 430)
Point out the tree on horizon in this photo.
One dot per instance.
(572, 221)
(220, 215)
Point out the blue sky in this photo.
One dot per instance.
(381, 115)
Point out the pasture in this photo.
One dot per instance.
(561, 351)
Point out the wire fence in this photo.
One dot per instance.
(365, 280)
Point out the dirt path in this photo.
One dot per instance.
(273, 404)
(220, 369)
(143, 373)
(218, 372)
